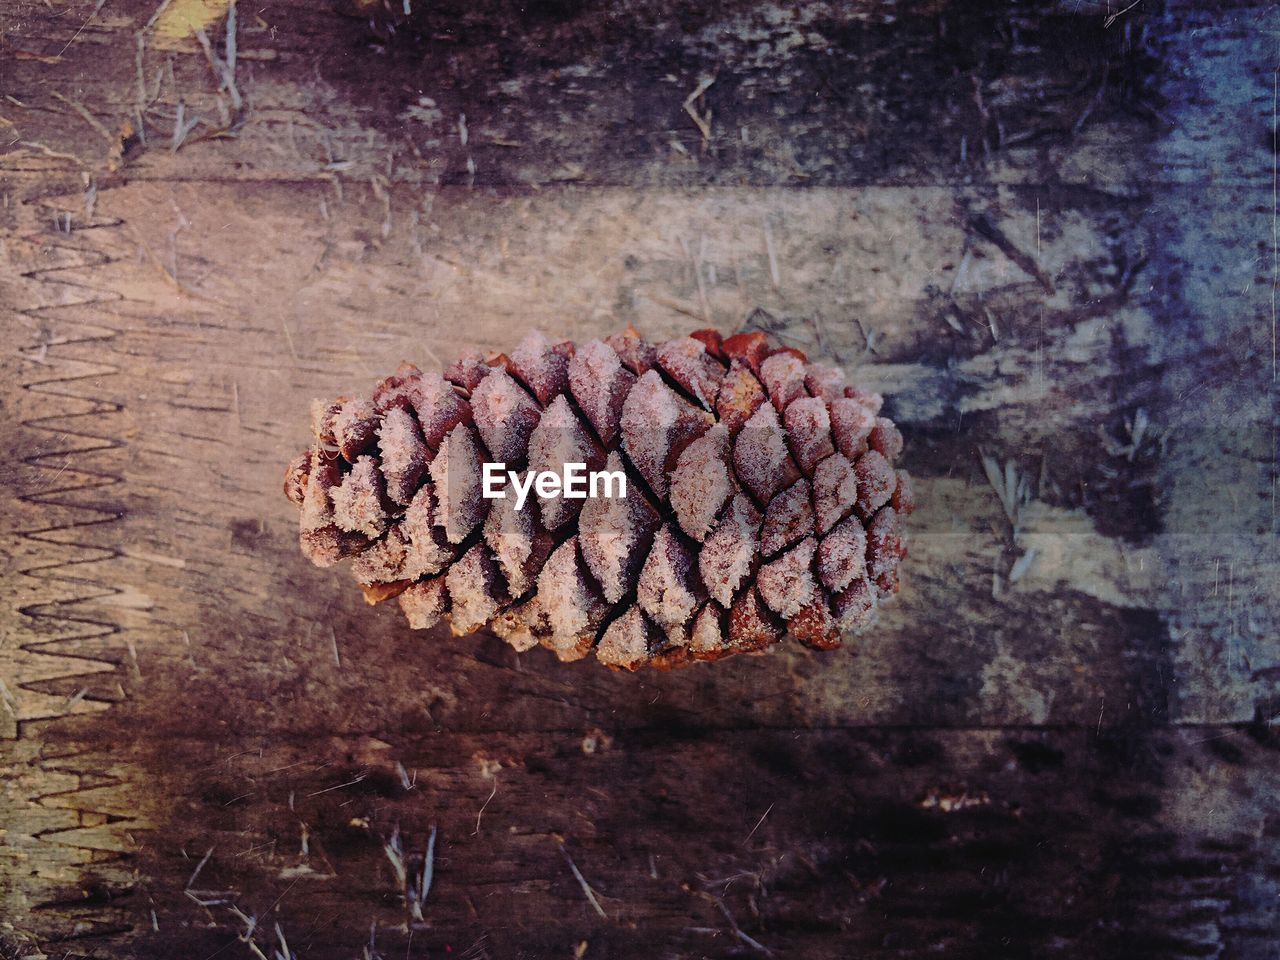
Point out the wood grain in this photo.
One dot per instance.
(1059, 739)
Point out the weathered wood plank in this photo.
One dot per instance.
(172, 312)
(818, 842)
(235, 355)
(831, 93)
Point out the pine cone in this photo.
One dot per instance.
(761, 498)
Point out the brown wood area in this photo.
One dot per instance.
(1045, 232)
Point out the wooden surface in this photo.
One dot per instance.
(1046, 236)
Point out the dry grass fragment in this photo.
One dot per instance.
(582, 881)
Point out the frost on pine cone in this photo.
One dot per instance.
(761, 500)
